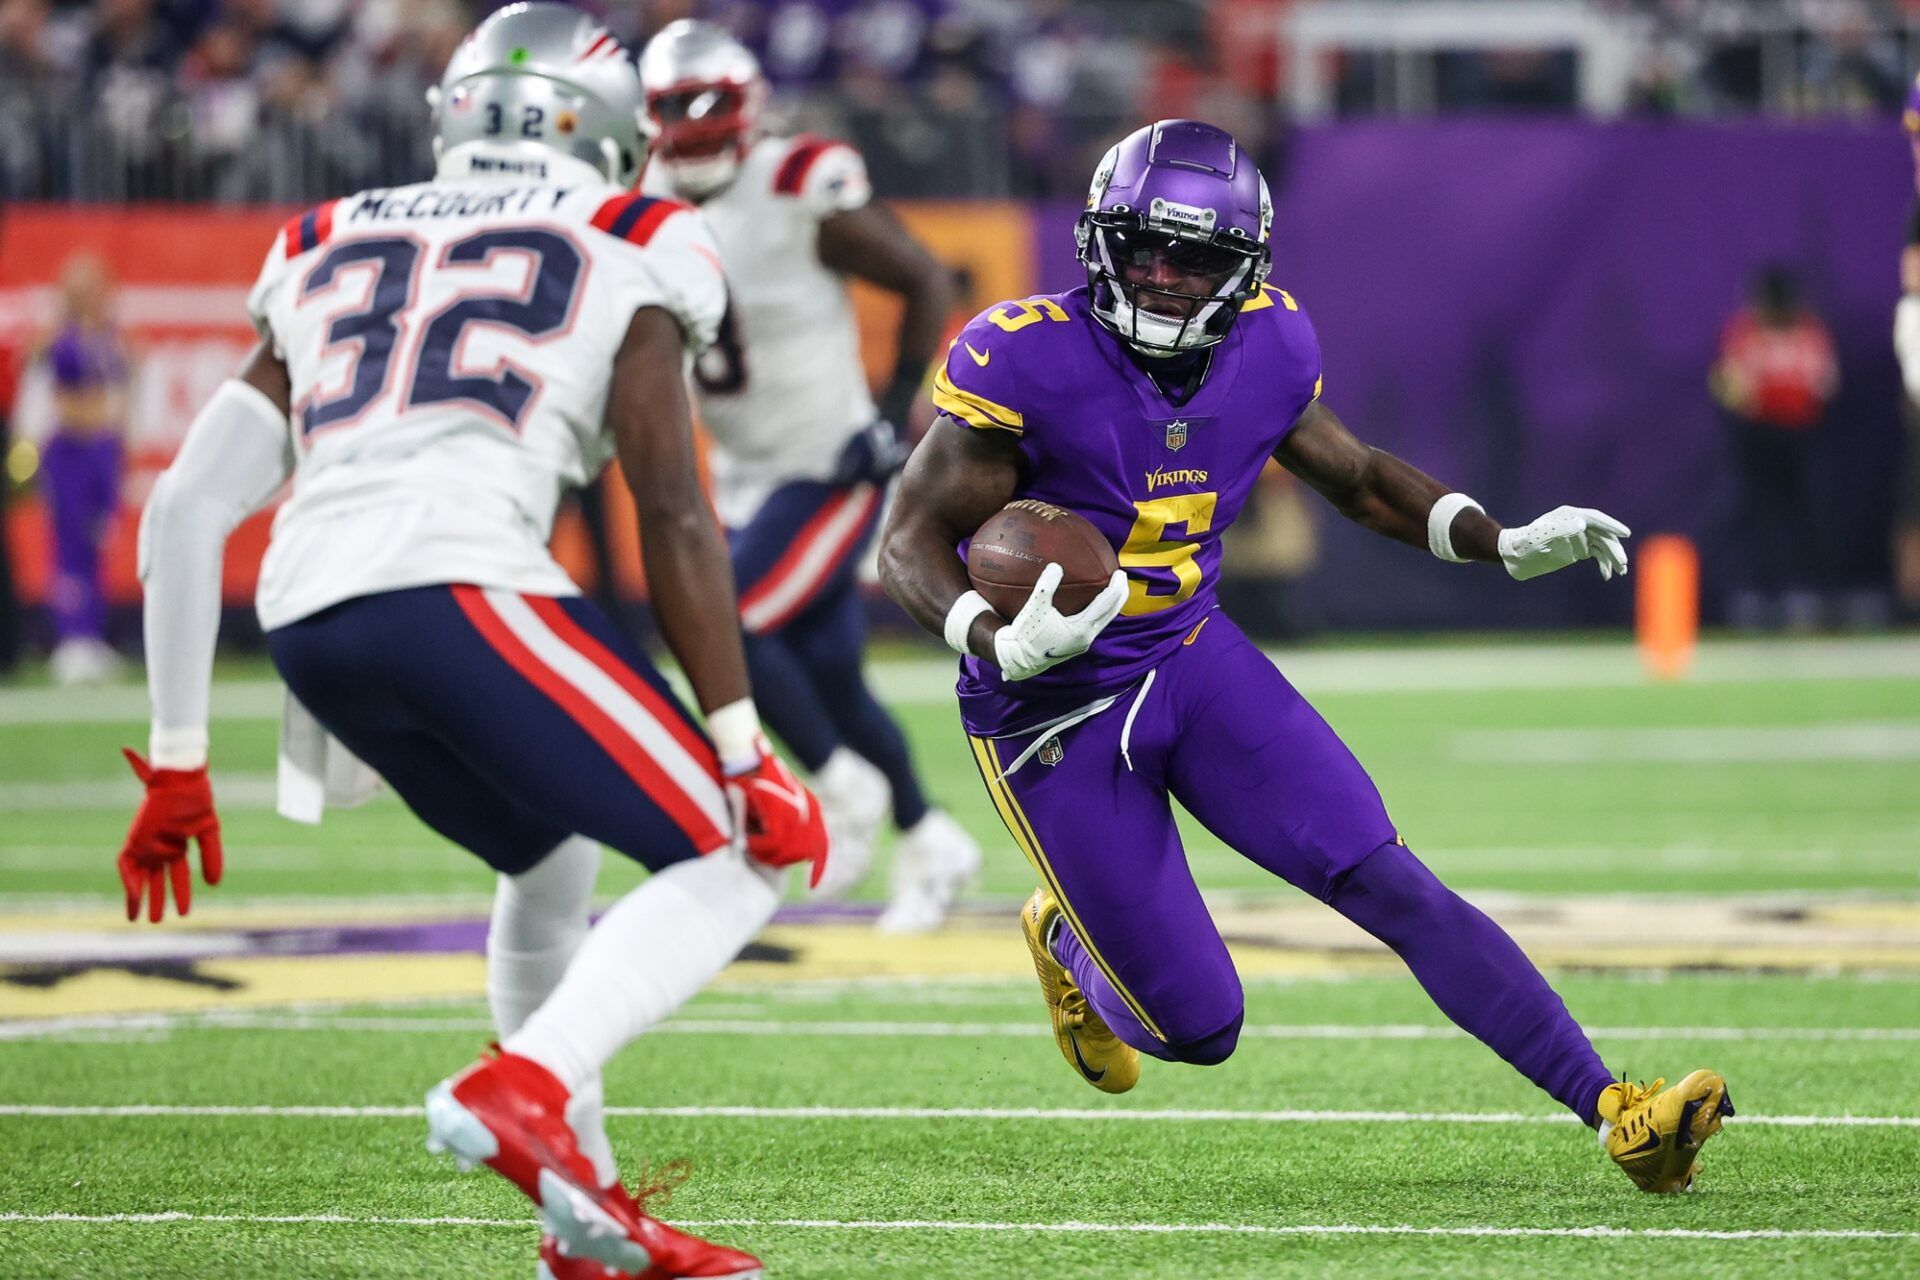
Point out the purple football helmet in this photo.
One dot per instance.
(1174, 238)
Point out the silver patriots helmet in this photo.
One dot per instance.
(704, 93)
(535, 79)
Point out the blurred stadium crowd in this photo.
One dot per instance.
(1788, 475)
(284, 100)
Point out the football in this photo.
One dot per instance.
(1007, 553)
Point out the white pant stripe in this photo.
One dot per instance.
(620, 706)
(814, 564)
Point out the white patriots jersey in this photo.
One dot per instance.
(451, 347)
(783, 389)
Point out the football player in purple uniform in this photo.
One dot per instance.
(1148, 401)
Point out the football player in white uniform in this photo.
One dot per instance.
(437, 363)
(803, 454)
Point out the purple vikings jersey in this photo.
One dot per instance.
(1161, 482)
(83, 359)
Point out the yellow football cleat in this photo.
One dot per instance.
(1102, 1058)
(1654, 1135)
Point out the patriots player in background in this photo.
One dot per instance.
(438, 363)
(803, 454)
(1148, 402)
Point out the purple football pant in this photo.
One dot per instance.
(1222, 731)
(82, 475)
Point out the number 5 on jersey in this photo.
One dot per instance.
(1148, 547)
(543, 308)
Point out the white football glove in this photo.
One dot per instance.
(1562, 537)
(1040, 636)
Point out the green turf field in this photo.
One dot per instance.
(1723, 872)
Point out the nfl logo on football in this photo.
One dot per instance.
(1177, 434)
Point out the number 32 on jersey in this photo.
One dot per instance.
(370, 335)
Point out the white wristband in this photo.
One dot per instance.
(1440, 524)
(176, 748)
(735, 729)
(960, 620)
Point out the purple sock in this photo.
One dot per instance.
(1476, 974)
(1106, 1002)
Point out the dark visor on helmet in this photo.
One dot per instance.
(1137, 252)
(699, 103)
(699, 120)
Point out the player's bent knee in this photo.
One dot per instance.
(1390, 870)
(1210, 1050)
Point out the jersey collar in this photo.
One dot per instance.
(506, 162)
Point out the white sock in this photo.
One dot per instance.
(587, 1114)
(847, 775)
(539, 922)
(646, 957)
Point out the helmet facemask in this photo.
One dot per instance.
(704, 131)
(1165, 290)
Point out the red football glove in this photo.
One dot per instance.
(782, 820)
(178, 807)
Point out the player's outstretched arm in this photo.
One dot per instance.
(688, 574)
(872, 244)
(236, 455)
(1394, 498)
(691, 582)
(955, 480)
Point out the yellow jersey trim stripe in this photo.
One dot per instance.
(974, 410)
(986, 758)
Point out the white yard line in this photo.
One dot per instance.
(236, 791)
(1391, 669)
(937, 1224)
(269, 858)
(127, 704)
(1192, 1116)
(1861, 741)
(386, 1024)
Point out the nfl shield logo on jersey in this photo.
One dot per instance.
(1051, 752)
(1177, 434)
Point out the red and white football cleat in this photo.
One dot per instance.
(509, 1113)
(555, 1265)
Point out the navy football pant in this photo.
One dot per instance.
(509, 722)
(796, 563)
